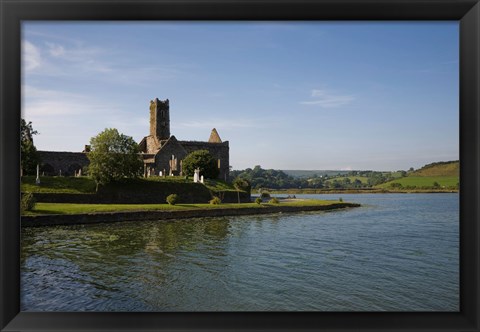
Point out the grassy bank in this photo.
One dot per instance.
(60, 208)
(85, 185)
(58, 184)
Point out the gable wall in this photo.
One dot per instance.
(163, 157)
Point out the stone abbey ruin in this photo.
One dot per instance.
(161, 152)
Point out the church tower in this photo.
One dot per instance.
(160, 119)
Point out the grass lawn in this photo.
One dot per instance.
(65, 208)
(423, 181)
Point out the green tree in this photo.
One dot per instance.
(113, 156)
(29, 155)
(242, 184)
(203, 160)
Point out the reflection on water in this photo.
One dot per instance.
(396, 253)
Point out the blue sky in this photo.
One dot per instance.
(286, 95)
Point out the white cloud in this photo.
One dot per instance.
(55, 49)
(63, 59)
(328, 99)
(31, 56)
(80, 60)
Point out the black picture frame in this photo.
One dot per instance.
(13, 12)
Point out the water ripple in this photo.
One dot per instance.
(395, 253)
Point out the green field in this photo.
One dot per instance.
(449, 168)
(64, 208)
(352, 179)
(423, 182)
(395, 174)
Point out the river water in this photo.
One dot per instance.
(398, 252)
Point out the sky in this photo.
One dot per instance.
(286, 95)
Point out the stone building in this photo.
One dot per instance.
(62, 163)
(160, 151)
(163, 152)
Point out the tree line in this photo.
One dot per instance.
(276, 179)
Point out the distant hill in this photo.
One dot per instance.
(311, 173)
(444, 174)
(444, 168)
(438, 176)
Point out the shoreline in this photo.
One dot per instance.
(358, 191)
(159, 215)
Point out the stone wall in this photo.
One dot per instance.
(69, 162)
(188, 193)
(217, 150)
(193, 193)
(152, 144)
(233, 196)
(52, 162)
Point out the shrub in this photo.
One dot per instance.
(28, 202)
(215, 200)
(172, 199)
(340, 199)
(258, 200)
(274, 201)
(265, 195)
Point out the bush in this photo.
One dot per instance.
(172, 199)
(215, 200)
(340, 199)
(274, 201)
(265, 195)
(28, 202)
(258, 200)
